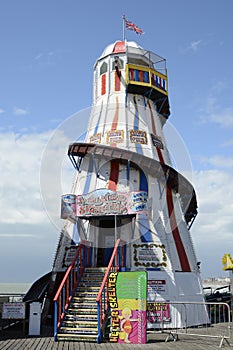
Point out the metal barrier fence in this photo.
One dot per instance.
(186, 316)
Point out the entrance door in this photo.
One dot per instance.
(106, 242)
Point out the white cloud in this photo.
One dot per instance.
(218, 161)
(2, 111)
(224, 118)
(20, 111)
(195, 45)
(212, 230)
(228, 143)
(20, 160)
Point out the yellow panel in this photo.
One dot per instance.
(227, 262)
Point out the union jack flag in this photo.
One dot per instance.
(131, 26)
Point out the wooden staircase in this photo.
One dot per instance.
(80, 322)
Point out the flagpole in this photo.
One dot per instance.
(123, 20)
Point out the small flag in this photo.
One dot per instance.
(131, 26)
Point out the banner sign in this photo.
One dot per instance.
(158, 312)
(13, 311)
(127, 297)
(104, 202)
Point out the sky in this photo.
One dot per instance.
(47, 52)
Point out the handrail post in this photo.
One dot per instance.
(55, 319)
(99, 322)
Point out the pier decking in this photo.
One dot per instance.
(13, 339)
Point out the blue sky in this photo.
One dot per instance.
(48, 49)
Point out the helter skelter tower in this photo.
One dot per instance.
(127, 187)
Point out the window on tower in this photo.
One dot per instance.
(103, 68)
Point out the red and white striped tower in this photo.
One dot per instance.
(127, 186)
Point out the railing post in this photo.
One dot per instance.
(55, 319)
(99, 322)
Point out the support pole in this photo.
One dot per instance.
(123, 27)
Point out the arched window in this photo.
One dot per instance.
(103, 68)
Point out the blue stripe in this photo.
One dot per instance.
(143, 182)
(136, 125)
(88, 179)
(147, 236)
(97, 125)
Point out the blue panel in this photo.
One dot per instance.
(143, 182)
(146, 77)
(136, 78)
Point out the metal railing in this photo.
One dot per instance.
(69, 283)
(116, 262)
(144, 76)
(196, 319)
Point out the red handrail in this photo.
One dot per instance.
(69, 282)
(103, 308)
(114, 253)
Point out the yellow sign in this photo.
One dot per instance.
(227, 262)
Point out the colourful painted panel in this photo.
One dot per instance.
(127, 292)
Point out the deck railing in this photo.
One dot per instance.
(117, 261)
(69, 283)
(148, 77)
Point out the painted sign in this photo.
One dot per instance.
(68, 206)
(96, 138)
(13, 311)
(127, 297)
(158, 312)
(104, 202)
(69, 255)
(138, 136)
(156, 141)
(149, 255)
(115, 136)
(155, 287)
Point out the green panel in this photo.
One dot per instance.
(132, 285)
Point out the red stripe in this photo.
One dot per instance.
(114, 175)
(103, 84)
(115, 121)
(116, 115)
(176, 235)
(117, 82)
(159, 152)
(175, 231)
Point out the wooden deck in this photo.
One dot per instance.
(13, 339)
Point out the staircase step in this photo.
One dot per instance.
(87, 288)
(86, 294)
(81, 317)
(79, 330)
(95, 269)
(87, 307)
(89, 323)
(82, 310)
(77, 337)
(84, 299)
